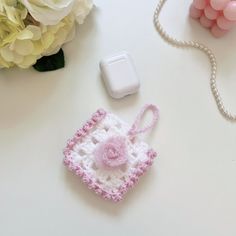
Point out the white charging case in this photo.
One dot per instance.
(119, 75)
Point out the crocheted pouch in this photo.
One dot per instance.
(107, 154)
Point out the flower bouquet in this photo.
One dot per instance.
(32, 32)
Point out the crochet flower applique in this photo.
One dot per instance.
(112, 153)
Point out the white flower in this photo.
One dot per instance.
(37, 28)
(81, 9)
(33, 42)
(51, 12)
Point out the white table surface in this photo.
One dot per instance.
(190, 190)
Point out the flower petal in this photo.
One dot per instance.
(23, 47)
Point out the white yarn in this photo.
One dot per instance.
(82, 153)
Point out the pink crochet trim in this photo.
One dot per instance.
(90, 124)
(90, 181)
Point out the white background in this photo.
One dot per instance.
(190, 190)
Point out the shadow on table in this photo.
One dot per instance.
(23, 93)
(91, 199)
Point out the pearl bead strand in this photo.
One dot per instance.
(201, 47)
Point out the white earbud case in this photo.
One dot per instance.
(119, 75)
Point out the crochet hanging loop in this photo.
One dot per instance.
(135, 130)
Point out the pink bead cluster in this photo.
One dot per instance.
(217, 15)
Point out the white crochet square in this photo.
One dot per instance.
(109, 183)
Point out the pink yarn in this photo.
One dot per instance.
(134, 131)
(112, 153)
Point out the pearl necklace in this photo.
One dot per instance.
(192, 44)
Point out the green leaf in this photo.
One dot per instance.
(50, 63)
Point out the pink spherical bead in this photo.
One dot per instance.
(194, 12)
(230, 11)
(225, 24)
(205, 22)
(200, 4)
(211, 13)
(219, 4)
(217, 32)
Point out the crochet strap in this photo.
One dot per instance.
(135, 130)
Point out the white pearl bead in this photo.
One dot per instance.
(201, 47)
